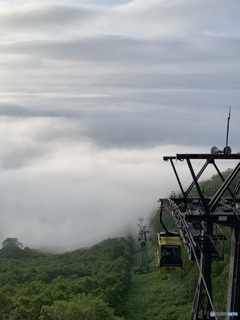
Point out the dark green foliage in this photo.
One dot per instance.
(12, 242)
(80, 307)
(12, 252)
(44, 286)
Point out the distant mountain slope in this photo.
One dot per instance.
(83, 284)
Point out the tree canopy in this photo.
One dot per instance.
(12, 242)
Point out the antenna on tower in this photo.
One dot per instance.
(227, 149)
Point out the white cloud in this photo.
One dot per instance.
(73, 189)
(72, 192)
(51, 20)
(93, 95)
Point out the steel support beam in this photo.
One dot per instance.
(233, 302)
(197, 177)
(223, 188)
(177, 177)
(204, 218)
(221, 176)
(202, 305)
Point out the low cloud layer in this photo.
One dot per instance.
(93, 95)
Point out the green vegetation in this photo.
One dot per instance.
(103, 282)
(83, 284)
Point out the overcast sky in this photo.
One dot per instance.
(93, 94)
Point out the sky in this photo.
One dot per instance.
(93, 94)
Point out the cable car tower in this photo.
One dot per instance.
(199, 220)
(142, 238)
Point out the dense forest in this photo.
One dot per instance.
(104, 282)
(82, 284)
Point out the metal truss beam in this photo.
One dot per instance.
(233, 303)
(195, 218)
(223, 188)
(202, 305)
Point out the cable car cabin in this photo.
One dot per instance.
(169, 253)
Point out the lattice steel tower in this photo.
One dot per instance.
(199, 224)
(144, 231)
(199, 220)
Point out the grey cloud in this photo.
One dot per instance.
(44, 16)
(15, 110)
(114, 49)
(85, 120)
(37, 111)
(139, 110)
(184, 17)
(158, 126)
(106, 49)
(198, 81)
(140, 18)
(21, 157)
(133, 125)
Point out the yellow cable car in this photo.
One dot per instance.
(169, 252)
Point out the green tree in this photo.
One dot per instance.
(84, 307)
(12, 242)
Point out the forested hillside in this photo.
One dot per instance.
(103, 282)
(83, 284)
